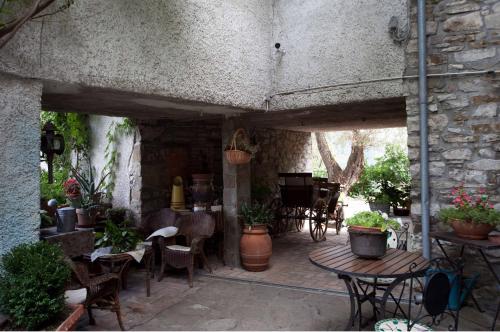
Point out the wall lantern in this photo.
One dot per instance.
(51, 144)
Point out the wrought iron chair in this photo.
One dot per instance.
(99, 292)
(179, 256)
(369, 285)
(434, 292)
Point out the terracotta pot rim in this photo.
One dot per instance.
(464, 221)
(364, 229)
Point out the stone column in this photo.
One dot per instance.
(19, 160)
(236, 181)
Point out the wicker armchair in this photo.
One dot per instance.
(179, 257)
(101, 291)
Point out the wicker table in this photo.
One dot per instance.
(394, 264)
(479, 245)
(120, 263)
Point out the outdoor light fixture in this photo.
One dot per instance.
(51, 144)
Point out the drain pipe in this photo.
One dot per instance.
(424, 144)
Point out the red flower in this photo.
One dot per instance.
(72, 189)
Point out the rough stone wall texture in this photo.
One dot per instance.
(126, 166)
(169, 149)
(211, 51)
(327, 42)
(280, 151)
(464, 125)
(19, 160)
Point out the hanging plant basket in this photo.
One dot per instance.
(235, 153)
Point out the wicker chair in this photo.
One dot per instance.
(99, 292)
(184, 256)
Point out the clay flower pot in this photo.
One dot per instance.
(470, 230)
(256, 248)
(86, 217)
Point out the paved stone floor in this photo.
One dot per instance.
(292, 295)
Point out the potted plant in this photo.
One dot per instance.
(471, 217)
(120, 238)
(33, 279)
(368, 233)
(240, 151)
(84, 195)
(255, 245)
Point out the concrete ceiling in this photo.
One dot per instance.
(383, 113)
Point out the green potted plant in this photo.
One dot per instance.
(470, 217)
(255, 244)
(33, 279)
(120, 238)
(84, 195)
(368, 233)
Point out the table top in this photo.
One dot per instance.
(452, 237)
(395, 263)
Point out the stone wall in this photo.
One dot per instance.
(169, 149)
(280, 151)
(464, 126)
(19, 160)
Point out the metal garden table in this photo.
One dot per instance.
(479, 245)
(395, 264)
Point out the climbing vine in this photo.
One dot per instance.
(74, 128)
(111, 154)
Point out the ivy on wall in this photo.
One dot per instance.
(111, 155)
(75, 129)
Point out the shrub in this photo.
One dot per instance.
(386, 181)
(32, 283)
(256, 214)
(372, 219)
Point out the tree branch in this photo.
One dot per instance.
(332, 167)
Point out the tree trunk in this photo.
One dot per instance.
(355, 163)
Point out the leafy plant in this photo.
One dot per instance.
(90, 192)
(468, 208)
(372, 219)
(32, 283)
(116, 215)
(256, 214)
(261, 192)
(386, 181)
(52, 190)
(120, 238)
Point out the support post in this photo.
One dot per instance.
(236, 181)
(424, 145)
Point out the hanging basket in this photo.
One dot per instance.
(235, 156)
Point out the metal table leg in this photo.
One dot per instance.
(355, 302)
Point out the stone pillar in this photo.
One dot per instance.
(19, 160)
(236, 181)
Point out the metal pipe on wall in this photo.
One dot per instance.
(424, 144)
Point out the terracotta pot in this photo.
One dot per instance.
(470, 230)
(86, 218)
(69, 323)
(365, 229)
(256, 248)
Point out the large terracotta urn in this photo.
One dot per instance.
(256, 248)
(470, 230)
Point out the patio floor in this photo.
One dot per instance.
(291, 295)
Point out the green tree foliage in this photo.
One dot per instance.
(386, 181)
(32, 283)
